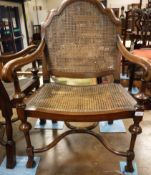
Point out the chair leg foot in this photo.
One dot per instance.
(30, 163)
(25, 127)
(129, 168)
(130, 158)
(134, 129)
(10, 154)
(42, 121)
(110, 122)
(54, 121)
(99, 80)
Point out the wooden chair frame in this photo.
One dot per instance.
(6, 107)
(8, 101)
(23, 113)
(21, 92)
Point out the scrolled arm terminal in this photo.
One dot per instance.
(13, 65)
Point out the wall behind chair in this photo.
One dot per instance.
(119, 4)
(34, 16)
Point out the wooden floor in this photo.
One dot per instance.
(84, 155)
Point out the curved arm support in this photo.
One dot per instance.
(6, 58)
(13, 65)
(142, 61)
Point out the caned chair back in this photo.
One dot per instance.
(81, 40)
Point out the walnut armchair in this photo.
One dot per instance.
(20, 88)
(10, 95)
(80, 40)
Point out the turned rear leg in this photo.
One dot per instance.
(10, 145)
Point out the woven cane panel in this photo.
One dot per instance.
(81, 40)
(100, 98)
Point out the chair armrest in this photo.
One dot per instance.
(10, 67)
(142, 61)
(6, 58)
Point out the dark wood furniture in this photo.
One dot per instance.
(80, 40)
(10, 95)
(20, 88)
(116, 11)
(138, 31)
(122, 18)
(140, 35)
(6, 110)
(129, 29)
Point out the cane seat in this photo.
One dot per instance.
(93, 99)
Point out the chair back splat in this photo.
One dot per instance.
(81, 40)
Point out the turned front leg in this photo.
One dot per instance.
(134, 129)
(25, 127)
